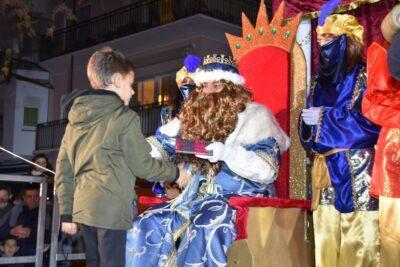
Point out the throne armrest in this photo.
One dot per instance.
(242, 204)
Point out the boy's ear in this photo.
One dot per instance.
(17, 249)
(1, 248)
(116, 79)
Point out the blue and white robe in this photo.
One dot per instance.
(197, 228)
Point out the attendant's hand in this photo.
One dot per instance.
(69, 228)
(184, 176)
(172, 128)
(311, 115)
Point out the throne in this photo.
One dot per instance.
(272, 231)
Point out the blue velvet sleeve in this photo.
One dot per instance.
(306, 134)
(341, 125)
(345, 128)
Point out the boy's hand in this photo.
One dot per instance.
(184, 177)
(172, 193)
(69, 228)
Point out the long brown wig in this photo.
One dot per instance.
(212, 117)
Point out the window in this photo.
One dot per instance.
(31, 116)
(146, 92)
(31, 111)
(162, 89)
(167, 89)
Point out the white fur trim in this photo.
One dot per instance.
(216, 75)
(255, 124)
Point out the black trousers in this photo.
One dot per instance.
(104, 247)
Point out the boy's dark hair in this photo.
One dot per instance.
(103, 64)
(9, 237)
(5, 188)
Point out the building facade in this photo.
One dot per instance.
(155, 35)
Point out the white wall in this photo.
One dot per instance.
(25, 137)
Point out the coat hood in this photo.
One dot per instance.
(92, 106)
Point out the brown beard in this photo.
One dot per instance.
(212, 117)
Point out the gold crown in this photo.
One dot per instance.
(264, 33)
(219, 58)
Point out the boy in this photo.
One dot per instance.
(9, 246)
(102, 153)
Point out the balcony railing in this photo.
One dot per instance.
(49, 134)
(142, 16)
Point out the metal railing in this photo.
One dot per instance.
(139, 17)
(50, 134)
(38, 258)
(55, 226)
(150, 116)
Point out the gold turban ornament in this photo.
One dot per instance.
(339, 24)
(191, 65)
(181, 75)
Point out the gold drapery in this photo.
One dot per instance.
(346, 239)
(389, 227)
(341, 9)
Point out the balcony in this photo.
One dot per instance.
(139, 17)
(49, 134)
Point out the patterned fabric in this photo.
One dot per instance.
(196, 228)
(360, 166)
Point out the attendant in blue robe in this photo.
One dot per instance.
(342, 139)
